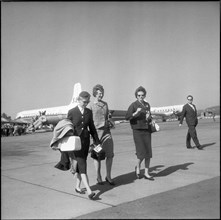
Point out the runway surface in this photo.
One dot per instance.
(187, 182)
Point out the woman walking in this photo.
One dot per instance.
(139, 116)
(100, 116)
(82, 120)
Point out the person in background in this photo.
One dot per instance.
(15, 132)
(214, 115)
(190, 113)
(100, 116)
(82, 120)
(140, 117)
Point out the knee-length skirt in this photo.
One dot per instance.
(106, 142)
(142, 140)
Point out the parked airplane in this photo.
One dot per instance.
(51, 116)
(167, 111)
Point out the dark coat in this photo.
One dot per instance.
(189, 114)
(139, 121)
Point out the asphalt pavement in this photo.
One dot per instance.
(186, 185)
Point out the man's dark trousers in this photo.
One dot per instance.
(191, 133)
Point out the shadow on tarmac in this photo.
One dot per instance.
(207, 145)
(172, 169)
(119, 180)
(124, 179)
(129, 178)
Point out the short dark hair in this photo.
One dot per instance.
(189, 96)
(98, 87)
(85, 95)
(140, 88)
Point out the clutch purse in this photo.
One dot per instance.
(97, 153)
(154, 127)
(70, 143)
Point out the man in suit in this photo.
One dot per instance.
(190, 113)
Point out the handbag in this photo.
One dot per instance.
(97, 152)
(154, 127)
(70, 143)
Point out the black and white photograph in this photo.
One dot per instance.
(110, 110)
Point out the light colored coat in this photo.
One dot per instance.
(100, 113)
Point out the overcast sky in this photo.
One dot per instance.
(170, 48)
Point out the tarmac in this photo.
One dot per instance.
(186, 185)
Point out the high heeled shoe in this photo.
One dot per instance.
(110, 182)
(149, 178)
(79, 191)
(91, 196)
(100, 182)
(137, 174)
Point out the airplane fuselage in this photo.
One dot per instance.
(166, 110)
(54, 111)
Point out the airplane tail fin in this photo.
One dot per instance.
(76, 92)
